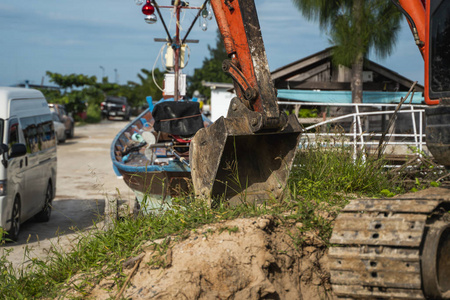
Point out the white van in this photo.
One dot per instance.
(28, 158)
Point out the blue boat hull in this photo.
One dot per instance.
(168, 179)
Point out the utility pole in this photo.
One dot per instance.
(116, 76)
(103, 73)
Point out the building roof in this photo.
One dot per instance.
(317, 71)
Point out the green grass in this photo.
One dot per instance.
(326, 175)
(321, 183)
(330, 172)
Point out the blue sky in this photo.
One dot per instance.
(80, 36)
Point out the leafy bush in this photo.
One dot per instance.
(93, 114)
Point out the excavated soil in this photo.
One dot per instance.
(253, 258)
(239, 259)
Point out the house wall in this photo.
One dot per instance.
(220, 101)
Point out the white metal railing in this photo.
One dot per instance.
(359, 138)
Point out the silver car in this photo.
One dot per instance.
(60, 129)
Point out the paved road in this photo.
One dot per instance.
(85, 179)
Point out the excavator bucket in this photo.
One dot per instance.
(246, 156)
(232, 162)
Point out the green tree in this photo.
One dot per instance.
(77, 91)
(211, 69)
(355, 27)
(138, 92)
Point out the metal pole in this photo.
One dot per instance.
(177, 51)
(354, 138)
(103, 72)
(413, 117)
(359, 126)
(162, 20)
(195, 20)
(420, 131)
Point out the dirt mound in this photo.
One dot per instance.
(255, 258)
(240, 259)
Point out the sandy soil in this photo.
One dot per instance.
(256, 260)
(85, 179)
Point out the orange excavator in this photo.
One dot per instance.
(383, 248)
(400, 248)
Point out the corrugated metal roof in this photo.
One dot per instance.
(346, 96)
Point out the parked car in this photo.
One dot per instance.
(28, 167)
(60, 129)
(115, 107)
(66, 119)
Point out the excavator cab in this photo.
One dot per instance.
(429, 21)
(437, 79)
(246, 156)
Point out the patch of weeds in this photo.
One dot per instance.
(8, 276)
(315, 217)
(233, 229)
(208, 231)
(420, 172)
(387, 193)
(331, 170)
(3, 234)
(230, 230)
(160, 258)
(325, 176)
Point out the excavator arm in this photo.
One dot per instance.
(246, 156)
(239, 26)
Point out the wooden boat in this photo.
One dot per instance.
(152, 152)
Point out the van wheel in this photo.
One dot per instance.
(13, 232)
(45, 213)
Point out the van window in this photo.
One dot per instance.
(46, 132)
(38, 132)
(30, 134)
(13, 132)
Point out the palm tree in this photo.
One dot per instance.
(355, 27)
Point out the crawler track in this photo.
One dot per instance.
(392, 249)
